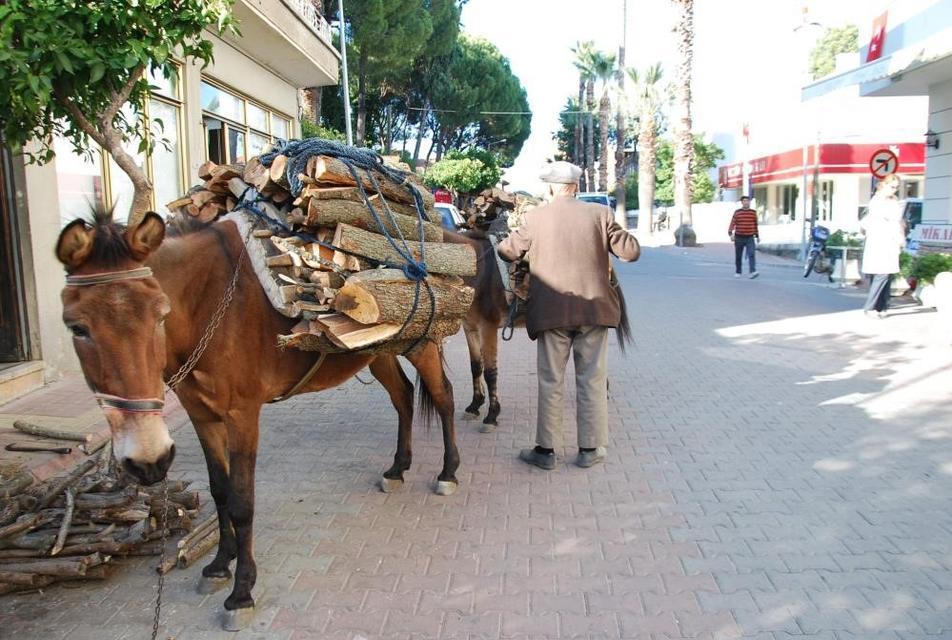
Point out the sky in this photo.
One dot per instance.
(747, 57)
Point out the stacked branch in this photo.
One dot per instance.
(354, 222)
(489, 205)
(73, 526)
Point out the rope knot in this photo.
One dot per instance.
(415, 271)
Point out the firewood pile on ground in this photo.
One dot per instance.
(338, 242)
(73, 527)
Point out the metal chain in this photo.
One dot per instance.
(213, 324)
(164, 518)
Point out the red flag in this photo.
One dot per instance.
(878, 38)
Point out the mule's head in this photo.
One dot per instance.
(116, 310)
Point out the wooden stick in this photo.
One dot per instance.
(25, 523)
(9, 512)
(46, 432)
(49, 567)
(67, 520)
(189, 555)
(15, 577)
(199, 531)
(59, 486)
(15, 485)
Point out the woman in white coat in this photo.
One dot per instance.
(885, 238)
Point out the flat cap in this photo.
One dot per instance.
(561, 173)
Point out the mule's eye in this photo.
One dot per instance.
(79, 331)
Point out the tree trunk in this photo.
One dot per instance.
(604, 114)
(420, 131)
(578, 152)
(646, 172)
(590, 134)
(621, 215)
(683, 138)
(142, 187)
(361, 100)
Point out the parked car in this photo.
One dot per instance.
(912, 213)
(597, 198)
(452, 218)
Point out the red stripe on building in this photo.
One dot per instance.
(834, 158)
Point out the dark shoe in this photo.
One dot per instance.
(542, 460)
(588, 459)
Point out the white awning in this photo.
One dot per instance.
(903, 61)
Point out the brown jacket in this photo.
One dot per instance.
(567, 244)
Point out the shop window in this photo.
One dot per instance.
(88, 180)
(788, 200)
(760, 202)
(237, 128)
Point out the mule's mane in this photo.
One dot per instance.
(110, 248)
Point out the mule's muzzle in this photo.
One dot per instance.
(149, 473)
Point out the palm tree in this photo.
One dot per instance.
(603, 68)
(586, 92)
(621, 128)
(649, 101)
(683, 137)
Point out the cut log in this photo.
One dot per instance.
(447, 259)
(199, 531)
(326, 279)
(350, 334)
(9, 512)
(330, 170)
(57, 567)
(15, 485)
(189, 555)
(386, 296)
(57, 486)
(25, 523)
(47, 432)
(330, 213)
(14, 577)
(351, 194)
(278, 171)
(206, 170)
(67, 521)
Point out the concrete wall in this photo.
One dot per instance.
(937, 206)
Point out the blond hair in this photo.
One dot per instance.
(891, 179)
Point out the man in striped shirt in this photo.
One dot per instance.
(743, 231)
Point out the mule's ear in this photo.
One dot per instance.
(74, 244)
(146, 236)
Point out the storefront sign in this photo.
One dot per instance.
(877, 39)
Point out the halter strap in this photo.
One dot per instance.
(108, 276)
(130, 405)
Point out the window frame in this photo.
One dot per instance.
(177, 103)
(244, 127)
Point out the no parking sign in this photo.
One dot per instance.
(883, 162)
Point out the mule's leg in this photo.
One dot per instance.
(214, 439)
(473, 343)
(490, 340)
(388, 371)
(428, 361)
(242, 455)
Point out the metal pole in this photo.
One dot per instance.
(343, 64)
(803, 200)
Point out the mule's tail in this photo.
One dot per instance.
(427, 406)
(623, 332)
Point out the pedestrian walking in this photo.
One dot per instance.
(572, 304)
(885, 238)
(745, 235)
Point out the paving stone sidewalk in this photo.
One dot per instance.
(780, 467)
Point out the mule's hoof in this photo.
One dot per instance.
(238, 619)
(470, 415)
(487, 427)
(390, 485)
(208, 586)
(446, 487)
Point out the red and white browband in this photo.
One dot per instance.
(130, 405)
(108, 276)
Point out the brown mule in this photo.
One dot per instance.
(138, 305)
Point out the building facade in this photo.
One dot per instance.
(907, 51)
(225, 112)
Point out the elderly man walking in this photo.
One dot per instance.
(572, 304)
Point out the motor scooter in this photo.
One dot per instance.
(817, 259)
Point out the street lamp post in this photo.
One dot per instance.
(343, 64)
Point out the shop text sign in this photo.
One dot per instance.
(933, 234)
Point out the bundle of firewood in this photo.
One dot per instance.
(332, 279)
(489, 205)
(71, 527)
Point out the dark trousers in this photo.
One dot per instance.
(741, 243)
(878, 297)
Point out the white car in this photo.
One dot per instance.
(452, 218)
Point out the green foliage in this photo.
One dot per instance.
(565, 135)
(840, 238)
(465, 173)
(706, 156)
(311, 130)
(388, 35)
(926, 267)
(67, 66)
(631, 191)
(906, 260)
(835, 41)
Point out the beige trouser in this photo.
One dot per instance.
(590, 348)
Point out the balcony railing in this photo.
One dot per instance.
(311, 17)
